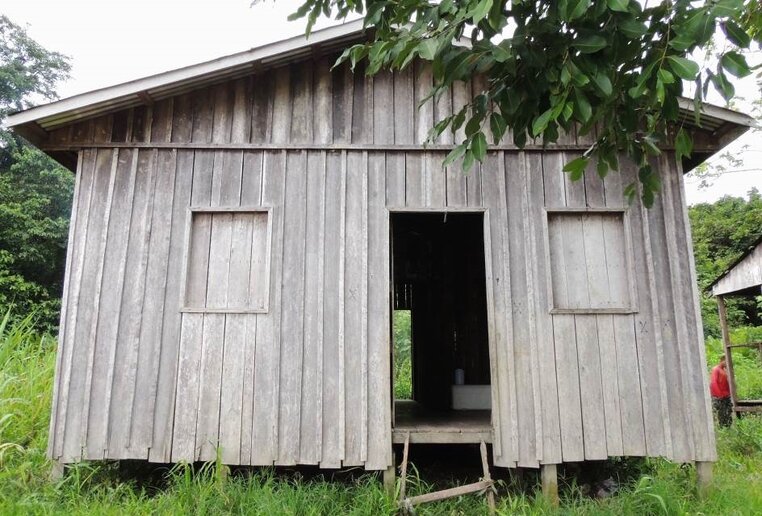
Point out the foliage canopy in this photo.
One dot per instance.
(35, 192)
(611, 66)
(723, 231)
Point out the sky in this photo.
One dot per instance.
(113, 41)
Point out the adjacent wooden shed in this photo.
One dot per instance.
(742, 278)
(243, 229)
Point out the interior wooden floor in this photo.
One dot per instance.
(440, 427)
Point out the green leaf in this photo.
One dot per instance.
(468, 160)
(584, 110)
(428, 49)
(480, 11)
(683, 68)
(633, 28)
(501, 54)
(618, 5)
(498, 126)
(604, 83)
(541, 122)
(682, 41)
(736, 34)
(723, 86)
(683, 144)
(576, 167)
(579, 78)
(727, 7)
(479, 146)
(735, 63)
(454, 155)
(573, 9)
(590, 44)
(473, 125)
(665, 76)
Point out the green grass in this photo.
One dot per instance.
(26, 366)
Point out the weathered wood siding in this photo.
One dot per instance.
(307, 381)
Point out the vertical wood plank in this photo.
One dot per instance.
(210, 382)
(242, 111)
(188, 386)
(503, 406)
(551, 432)
(77, 401)
(128, 340)
(109, 305)
(262, 108)
(591, 395)
(362, 106)
(251, 195)
(161, 448)
(520, 311)
(323, 102)
(342, 88)
(301, 102)
(415, 186)
(332, 393)
(564, 334)
(281, 124)
(232, 387)
(383, 114)
(310, 440)
(395, 179)
(157, 271)
(292, 313)
(704, 431)
(379, 316)
(404, 107)
(267, 355)
(424, 120)
(66, 308)
(355, 341)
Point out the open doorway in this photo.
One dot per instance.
(441, 344)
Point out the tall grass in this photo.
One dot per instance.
(27, 360)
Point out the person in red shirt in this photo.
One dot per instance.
(720, 391)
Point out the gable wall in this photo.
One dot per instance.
(307, 382)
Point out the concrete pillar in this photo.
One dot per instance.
(550, 483)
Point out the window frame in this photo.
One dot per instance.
(632, 306)
(211, 210)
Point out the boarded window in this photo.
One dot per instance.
(588, 261)
(228, 262)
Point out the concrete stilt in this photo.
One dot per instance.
(57, 470)
(550, 483)
(704, 477)
(390, 477)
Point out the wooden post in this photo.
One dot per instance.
(703, 478)
(550, 483)
(57, 470)
(488, 478)
(403, 471)
(728, 350)
(390, 477)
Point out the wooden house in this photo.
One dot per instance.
(243, 229)
(741, 279)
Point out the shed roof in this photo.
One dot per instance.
(743, 274)
(724, 124)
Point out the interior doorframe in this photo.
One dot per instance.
(489, 292)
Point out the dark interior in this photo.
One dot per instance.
(438, 274)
